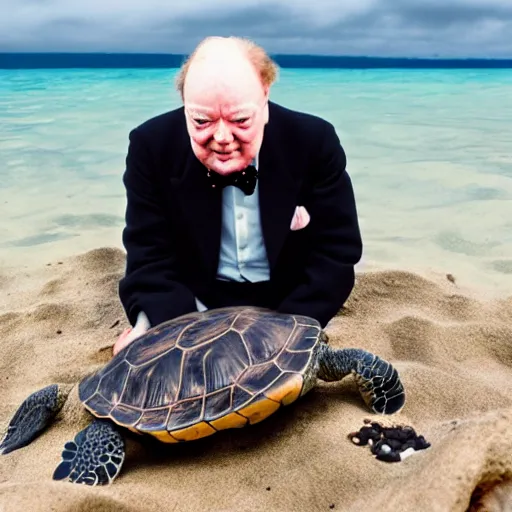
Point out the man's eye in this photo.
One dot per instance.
(241, 120)
(200, 121)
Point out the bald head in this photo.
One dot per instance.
(226, 49)
(221, 54)
(219, 66)
(225, 97)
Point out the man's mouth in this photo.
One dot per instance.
(223, 156)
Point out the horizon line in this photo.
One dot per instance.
(272, 54)
(156, 60)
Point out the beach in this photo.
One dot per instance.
(429, 156)
(59, 321)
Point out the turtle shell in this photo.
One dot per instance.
(203, 372)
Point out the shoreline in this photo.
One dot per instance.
(494, 286)
(58, 322)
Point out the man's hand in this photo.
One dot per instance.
(130, 334)
(123, 340)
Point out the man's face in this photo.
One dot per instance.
(226, 111)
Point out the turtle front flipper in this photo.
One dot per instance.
(33, 416)
(94, 457)
(378, 381)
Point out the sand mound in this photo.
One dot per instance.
(454, 353)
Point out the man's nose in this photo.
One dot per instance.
(223, 134)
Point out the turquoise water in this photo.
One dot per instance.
(429, 153)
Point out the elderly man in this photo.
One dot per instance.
(235, 200)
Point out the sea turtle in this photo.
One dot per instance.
(195, 375)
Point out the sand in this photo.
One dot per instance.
(452, 348)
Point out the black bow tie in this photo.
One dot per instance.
(245, 179)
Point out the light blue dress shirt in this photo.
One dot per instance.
(243, 256)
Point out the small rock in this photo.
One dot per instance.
(422, 443)
(395, 444)
(377, 447)
(268, 488)
(400, 434)
(59, 332)
(385, 448)
(410, 443)
(389, 457)
(407, 453)
(364, 435)
(376, 427)
(450, 278)
(389, 444)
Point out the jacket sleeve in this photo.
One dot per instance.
(151, 282)
(328, 276)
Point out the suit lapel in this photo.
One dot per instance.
(200, 207)
(278, 190)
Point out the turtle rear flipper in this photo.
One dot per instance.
(378, 381)
(94, 457)
(32, 417)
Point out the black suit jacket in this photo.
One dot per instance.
(173, 218)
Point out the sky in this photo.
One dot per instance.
(422, 28)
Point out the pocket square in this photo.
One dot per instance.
(300, 218)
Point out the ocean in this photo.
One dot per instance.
(429, 152)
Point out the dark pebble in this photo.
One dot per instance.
(353, 435)
(59, 332)
(375, 435)
(376, 447)
(411, 443)
(398, 440)
(268, 488)
(399, 434)
(409, 431)
(363, 435)
(331, 506)
(376, 427)
(394, 444)
(389, 457)
(390, 433)
(421, 443)
(393, 433)
(382, 451)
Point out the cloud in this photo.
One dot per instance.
(335, 27)
(437, 15)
